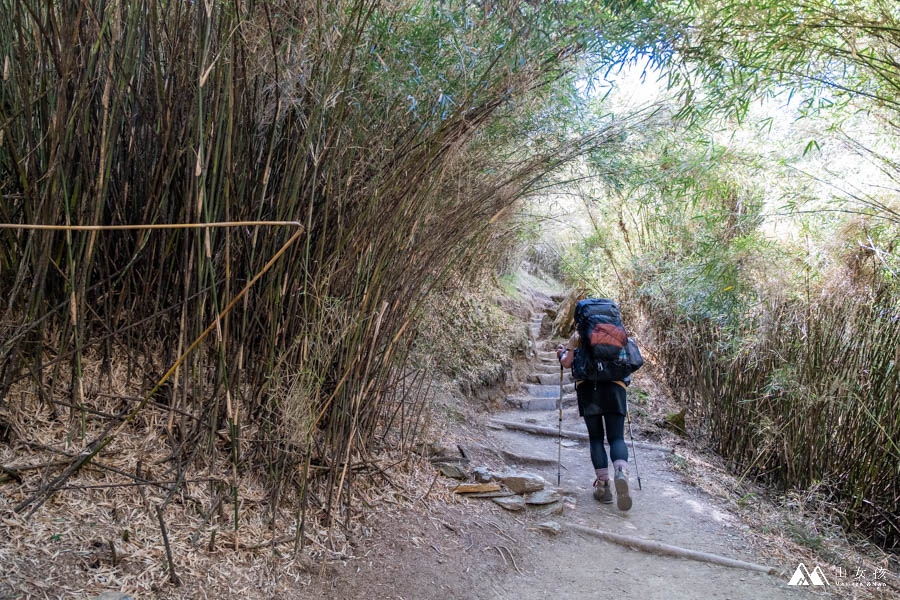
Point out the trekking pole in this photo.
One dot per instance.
(559, 433)
(633, 453)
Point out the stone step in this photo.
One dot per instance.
(533, 403)
(546, 368)
(547, 391)
(550, 378)
(547, 355)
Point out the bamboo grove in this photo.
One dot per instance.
(359, 154)
(306, 173)
(801, 391)
(770, 284)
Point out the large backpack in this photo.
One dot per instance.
(605, 352)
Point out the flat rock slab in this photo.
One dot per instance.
(469, 488)
(546, 366)
(543, 391)
(439, 449)
(520, 459)
(544, 496)
(482, 475)
(458, 460)
(550, 527)
(534, 403)
(549, 378)
(512, 503)
(547, 510)
(497, 494)
(578, 435)
(521, 482)
(451, 470)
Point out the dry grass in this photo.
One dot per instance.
(277, 355)
(787, 528)
(801, 397)
(90, 538)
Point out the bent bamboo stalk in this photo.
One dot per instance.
(144, 226)
(574, 435)
(669, 550)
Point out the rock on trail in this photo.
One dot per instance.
(521, 482)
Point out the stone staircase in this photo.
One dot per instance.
(541, 392)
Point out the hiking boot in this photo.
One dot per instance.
(603, 491)
(623, 500)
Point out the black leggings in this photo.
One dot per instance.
(615, 434)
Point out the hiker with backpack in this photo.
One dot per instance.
(602, 358)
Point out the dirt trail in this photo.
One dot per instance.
(666, 510)
(421, 541)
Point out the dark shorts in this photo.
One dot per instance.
(600, 398)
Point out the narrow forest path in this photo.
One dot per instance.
(667, 510)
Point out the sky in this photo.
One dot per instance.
(822, 161)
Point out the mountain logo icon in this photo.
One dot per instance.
(803, 576)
